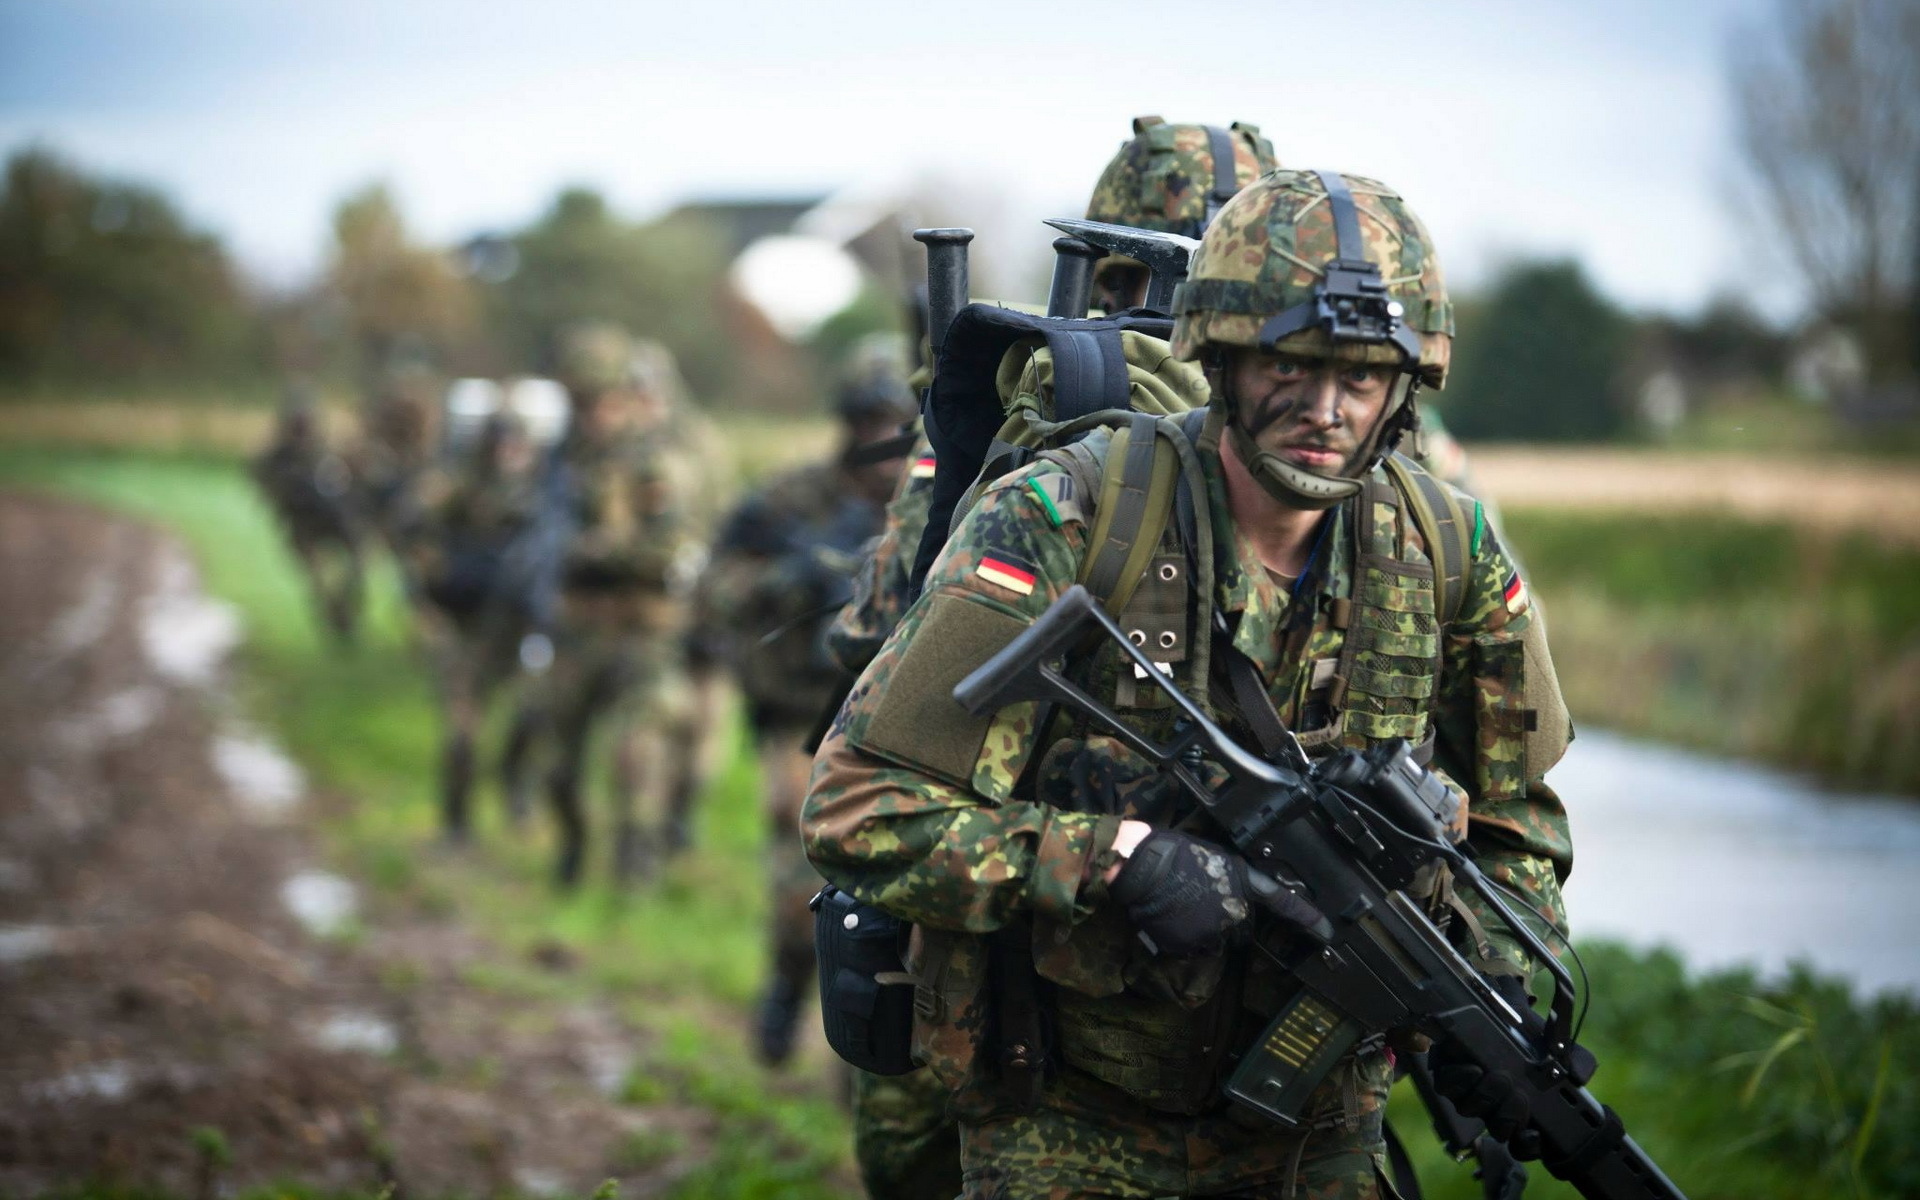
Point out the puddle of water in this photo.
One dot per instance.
(608, 1064)
(186, 635)
(356, 1030)
(262, 780)
(95, 1081)
(17, 875)
(1730, 863)
(119, 716)
(321, 901)
(24, 943)
(87, 620)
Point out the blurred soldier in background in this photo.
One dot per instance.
(399, 438)
(784, 565)
(622, 577)
(475, 514)
(310, 488)
(691, 701)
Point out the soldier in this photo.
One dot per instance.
(624, 574)
(782, 567)
(1164, 178)
(399, 436)
(1014, 844)
(473, 516)
(311, 490)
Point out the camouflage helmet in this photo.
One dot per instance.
(653, 368)
(1168, 177)
(1320, 264)
(594, 357)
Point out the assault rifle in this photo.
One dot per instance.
(1348, 834)
(525, 590)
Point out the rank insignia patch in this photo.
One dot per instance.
(1006, 572)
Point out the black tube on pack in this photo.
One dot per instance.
(1072, 290)
(946, 279)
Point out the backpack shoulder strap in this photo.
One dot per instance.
(1445, 526)
(1137, 484)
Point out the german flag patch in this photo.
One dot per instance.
(1516, 594)
(1003, 570)
(922, 467)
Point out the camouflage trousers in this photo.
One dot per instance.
(630, 690)
(785, 767)
(1085, 1140)
(906, 1144)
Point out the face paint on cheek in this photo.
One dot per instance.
(1269, 411)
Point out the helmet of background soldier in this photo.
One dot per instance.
(1170, 178)
(652, 368)
(594, 357)
(873, 381)
(1324, 266)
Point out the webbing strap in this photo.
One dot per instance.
(1444, 527)
(1255, 705)
(1089, 372)
(1226, 179)
(1136, 496)
(1346, 219)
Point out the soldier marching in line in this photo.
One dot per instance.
(310, 488)
(630, 501)
(783, 566)
(989, 832)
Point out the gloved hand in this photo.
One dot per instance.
(1493, 1096)
(1188, 897)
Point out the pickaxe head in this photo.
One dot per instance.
(1166, 255)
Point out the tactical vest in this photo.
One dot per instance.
(1163, 1030)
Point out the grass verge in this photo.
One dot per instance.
(1756, 641)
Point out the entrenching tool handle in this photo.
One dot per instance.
(946, 279)
(1072, 291)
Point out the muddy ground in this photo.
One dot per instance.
(183, 988)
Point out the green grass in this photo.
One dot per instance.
(1792, 647)
(1679, 1056)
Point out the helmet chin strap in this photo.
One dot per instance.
(1297, 487)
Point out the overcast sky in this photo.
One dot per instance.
(1599, 130)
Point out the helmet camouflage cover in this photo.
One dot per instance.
(1165, 178)
(1270, 274)
(595, 357)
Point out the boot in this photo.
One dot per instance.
(776, 1020)
(634, 856)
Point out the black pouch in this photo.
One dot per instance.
(866, 995)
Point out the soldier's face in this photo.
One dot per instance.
(1315, 413)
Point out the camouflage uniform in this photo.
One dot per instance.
(635, 550)
(967, 826)
(783, 565)
(311, 490)
(399, 436)
(470, 513)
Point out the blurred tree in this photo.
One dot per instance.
(105, 283)
(581, 262)
(1828, 105)
(400, 300)
(1538, 359)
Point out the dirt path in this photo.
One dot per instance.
(172, 961)
(1831, 495)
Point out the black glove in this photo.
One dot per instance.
(1493, 1096)
(1187, 897)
